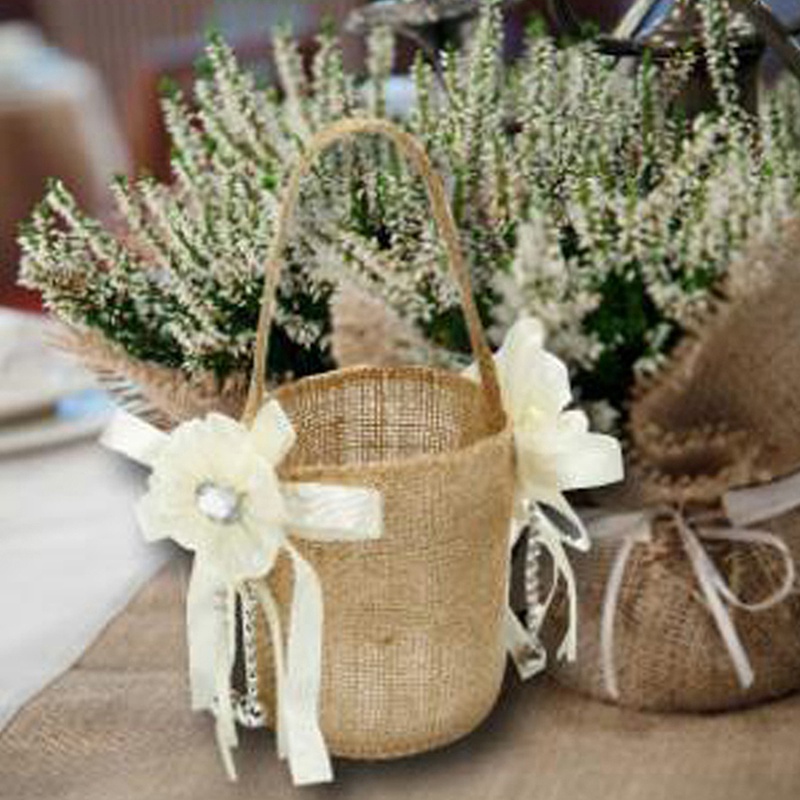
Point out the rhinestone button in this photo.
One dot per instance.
(219, 503)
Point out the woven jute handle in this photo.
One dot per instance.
(416, 155)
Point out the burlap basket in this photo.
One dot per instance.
(725, 414)
(413, 651)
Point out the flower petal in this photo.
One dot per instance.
(587, 460)
(531, 378)
(272, 433)
(238, 553)
(569, 454)
(160, 518)
(150, 518)
(264, 504)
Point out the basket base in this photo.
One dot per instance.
(409, 748)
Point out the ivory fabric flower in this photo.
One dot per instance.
(555, 450)
(214, 489)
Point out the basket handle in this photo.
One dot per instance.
(415, 153)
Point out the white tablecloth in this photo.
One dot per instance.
(71, 557)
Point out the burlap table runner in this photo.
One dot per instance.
(118, 727)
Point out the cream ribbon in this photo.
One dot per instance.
(742, 507)
(316, 512)
(554, 452)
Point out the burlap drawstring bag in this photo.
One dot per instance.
(413, 648)
(724, 415)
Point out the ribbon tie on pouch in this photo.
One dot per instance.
(742, 508)
(214, 489)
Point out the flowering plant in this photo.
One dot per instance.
(582, 195)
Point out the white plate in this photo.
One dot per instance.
(33, 375)
(80, 416)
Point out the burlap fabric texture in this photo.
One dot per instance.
(724, 414)
(413, 650)
(413, 653)
(118, 726)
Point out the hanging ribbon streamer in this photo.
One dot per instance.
(524, 643)
(312, 511)
(555, 452)
(743, 507)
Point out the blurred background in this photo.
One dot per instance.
(79, 84)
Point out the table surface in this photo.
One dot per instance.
(71, 557)
(119, 726)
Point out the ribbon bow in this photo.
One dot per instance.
(742, 508)
(215, 490)
(555, 452)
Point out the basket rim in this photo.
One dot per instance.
(335, 471)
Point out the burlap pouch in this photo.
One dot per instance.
(413, 650)
(724, 414)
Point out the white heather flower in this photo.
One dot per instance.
(565, 171)
(214, 490)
